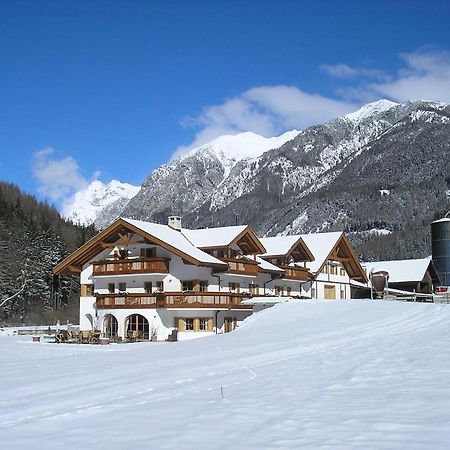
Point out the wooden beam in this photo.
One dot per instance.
(75, 269)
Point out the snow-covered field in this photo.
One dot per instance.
(322, 375)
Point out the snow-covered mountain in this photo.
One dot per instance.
(329, 176)
(190, 180)
(99, 203)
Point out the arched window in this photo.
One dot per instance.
(110, 326)
(137, 323)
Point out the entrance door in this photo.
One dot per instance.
(330, 292)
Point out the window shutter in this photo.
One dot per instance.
(210, 324)
(181, 324)
(196, 287)
(196, 324)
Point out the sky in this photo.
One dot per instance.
(113, 89)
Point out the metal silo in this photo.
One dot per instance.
(440, 247)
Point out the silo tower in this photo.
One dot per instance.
(440, 247)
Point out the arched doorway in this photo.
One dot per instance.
(138, 323)
(110, 326)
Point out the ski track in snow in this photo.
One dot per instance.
(344, 375)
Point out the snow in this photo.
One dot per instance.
(279, 245)
(244, 145)
(89, 202)
(401, 270)
(370, 109)
(320, 245)
(213, 237)
(306, 375)
(266, 266)
(175, 239)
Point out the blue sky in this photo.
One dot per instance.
(112, 89)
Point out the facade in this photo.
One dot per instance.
(411, 278)
(328, 258)
(141, 278)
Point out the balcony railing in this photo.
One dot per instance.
(295, 272)
(120, 301)
(241, 266)
(217, 300)
(130, 266)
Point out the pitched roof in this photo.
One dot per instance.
(163, 235)
(175, 239)
(225, 236)
(333, 246)
(402, 270)
(320, 245)
(284, 245)
(213, 237)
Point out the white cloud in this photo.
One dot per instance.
(266, 110)
(59, 178)
(342, 70)
(425, 75)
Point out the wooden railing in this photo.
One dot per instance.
(126, 301)
(130, 266)
(172, 300)
(295, 272)
(241, 266)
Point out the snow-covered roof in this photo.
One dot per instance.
(401, 270)
(213, 237)
(279, 245)
(175, 239)
(267, 266)
(320, 245)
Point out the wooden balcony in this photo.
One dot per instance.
(175, 300)
(241, 266)
(130, 266)
(295, 273)
(124, 301)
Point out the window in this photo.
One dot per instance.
(189, 324)
(279, 290)
(149, 252)
(342, 272)
(342, 292)
(253, 288)
(188, 285)
(203, 285)
(111, 288)
(122, 287)
(148, 286)
(333, 270)
(235, 288)
(203, 324)
(159, 286)
(325, 268)
(288, 291)
(313, 292)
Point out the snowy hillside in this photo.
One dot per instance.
(230, 149)
(99, 200)
(309, 375)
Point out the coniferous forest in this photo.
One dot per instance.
(34, 238)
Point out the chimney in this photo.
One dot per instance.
(174, 222)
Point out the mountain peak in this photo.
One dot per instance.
(243, 145)
(370, 109)
(94, 198)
